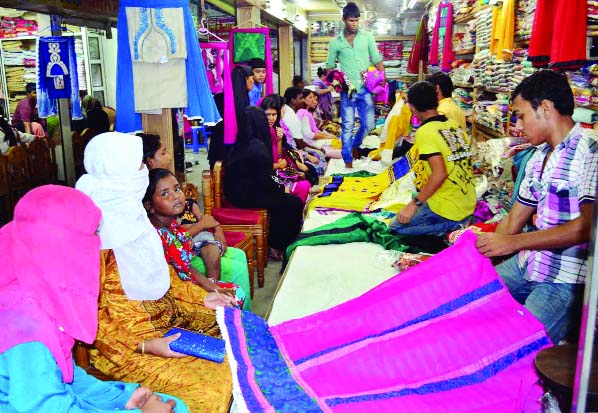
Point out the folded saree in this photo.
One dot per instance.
(435, 338)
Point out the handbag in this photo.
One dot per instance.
(197, 345)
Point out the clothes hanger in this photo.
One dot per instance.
(238, 26)
(203, 31)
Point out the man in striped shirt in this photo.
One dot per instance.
(548, 273)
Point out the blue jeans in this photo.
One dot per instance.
(363, 102)
(549, 302)
(426, 222)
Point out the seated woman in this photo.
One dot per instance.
(47, 301)
(164, 200)
(290, 173)
(141, 298)
(217, 260)
(329, 143)
(248, 181)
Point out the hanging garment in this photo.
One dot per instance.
(57, 75)
(396, 126)
(158, 54)
(442, 37)
(503, 30)
(420, 48)
(248, 43)
(216, 56)
(435, 337)
(173, 29)
(560, 43)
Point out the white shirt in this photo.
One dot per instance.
(292, 122)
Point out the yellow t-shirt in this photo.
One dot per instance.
(451, 110)
(456, 197)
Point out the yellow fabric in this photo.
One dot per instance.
(205, 386)
(503, 30)
(357, 194)
(456, 197)
(451, 110)
(396, 196)
(399, 125)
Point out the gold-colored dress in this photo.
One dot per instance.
(205, 386)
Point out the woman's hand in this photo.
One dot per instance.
(159, 346)
(156, 405)
(216, 299)
(311, 158)
(279, 132)
(219, 236)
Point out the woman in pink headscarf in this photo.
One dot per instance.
(49, 299)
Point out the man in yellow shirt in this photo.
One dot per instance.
(446, 104)
(443, 171)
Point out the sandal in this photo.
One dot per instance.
(274, 255)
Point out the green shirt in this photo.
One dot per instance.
(354, 59)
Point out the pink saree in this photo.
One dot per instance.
(434, 338)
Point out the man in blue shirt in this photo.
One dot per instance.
(259, 76)
(355, 51)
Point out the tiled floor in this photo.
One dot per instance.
(262, 297)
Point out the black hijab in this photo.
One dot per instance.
(240, 92)
(253, 138)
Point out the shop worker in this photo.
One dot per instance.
(548, 272)
(446, 104)
(443, 170)
(258, 67)
(355, 50)
(26, 110)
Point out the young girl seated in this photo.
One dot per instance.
(164, 200)
(154, 152)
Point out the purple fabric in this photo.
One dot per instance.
(433, 338)
(325, 99)
(230, 120)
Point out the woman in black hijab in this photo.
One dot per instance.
(242, 82)
(248, 180)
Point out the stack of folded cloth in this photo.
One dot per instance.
(463, 97)
(484, 27)
(592, 17)
(524, 19)
(17, 26)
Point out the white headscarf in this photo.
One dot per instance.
(117, 185)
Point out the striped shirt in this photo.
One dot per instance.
(568, 180)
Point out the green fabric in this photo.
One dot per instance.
(354, 227)
(233, 268)
(357, 174)
(354, 59)
(248, 46)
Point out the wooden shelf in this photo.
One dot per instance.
(469, 51)
(492, 90)
(485, 130)
(463, 86)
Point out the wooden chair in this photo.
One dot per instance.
(43, 167)
(242, 240)
(18, 172)
(239, 219)
(80, 141)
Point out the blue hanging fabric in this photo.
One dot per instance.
(200, 102)
(57, 75)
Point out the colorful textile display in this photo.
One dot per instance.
(358, 194)
(57, 75)
(340, 82)
(559, 42)
(419, 51)
(248, 43)
(217, 60)
(374, 81)
(503, 30)
(442, 37)
(436, 337)
(158, 37)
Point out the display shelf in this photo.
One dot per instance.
(465, 17)
(378, 38)
(464, 86)
(483, 129)
(470, 51)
